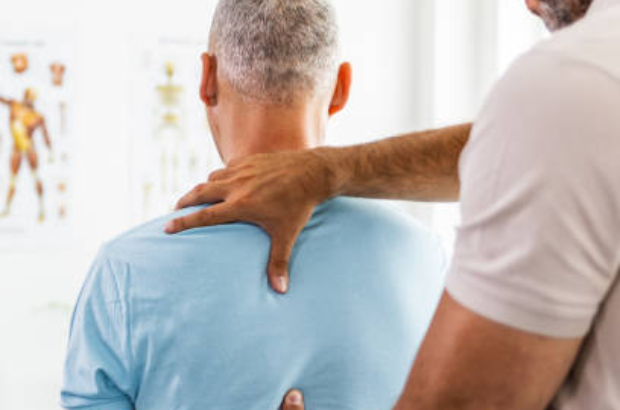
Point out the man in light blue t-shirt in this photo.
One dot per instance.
(190, 322)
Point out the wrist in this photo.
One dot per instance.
(329, 171)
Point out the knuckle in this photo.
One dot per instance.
(243, 201)
(219, 185)
(205, 215)
(196, 191)
(215, 175)
(234, 162)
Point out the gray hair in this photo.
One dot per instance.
(274, 51)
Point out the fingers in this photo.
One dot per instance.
(214, 215)
(219, 174)
(294, 400)
(279, 257)
(202, 194)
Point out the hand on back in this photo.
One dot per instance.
(277, 192)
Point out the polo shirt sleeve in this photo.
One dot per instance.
(97, 372)
(537, 248)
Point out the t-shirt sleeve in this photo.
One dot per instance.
(97, 373)
(538, 247)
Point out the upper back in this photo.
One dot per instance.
(364, 284)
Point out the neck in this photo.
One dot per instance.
(258, 129)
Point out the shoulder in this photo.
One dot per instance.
(147, 246)
(578, 61)
(147, 240)
(547, 98)
(592, 40)
(545, 121)
(545, 75)
(372, 213)
(381, 221)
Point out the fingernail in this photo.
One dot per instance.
(281, 284)
(169, 227)
(295, 398)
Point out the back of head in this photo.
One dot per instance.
(272, 51)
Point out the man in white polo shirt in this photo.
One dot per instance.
(531, 315)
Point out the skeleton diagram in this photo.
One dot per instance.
(169, 130)
(24, 120)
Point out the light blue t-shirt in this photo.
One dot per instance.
(188, 322)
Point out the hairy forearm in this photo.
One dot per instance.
(420, 166)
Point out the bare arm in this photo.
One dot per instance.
(420, 166)
(469, 362)
(279, 192)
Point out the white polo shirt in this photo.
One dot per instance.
(539, 245)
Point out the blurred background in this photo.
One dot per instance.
(117, 84)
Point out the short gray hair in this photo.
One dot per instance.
(273, 51)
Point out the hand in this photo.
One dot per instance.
(277, 192)
(294, 400)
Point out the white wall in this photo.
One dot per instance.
(476, 41)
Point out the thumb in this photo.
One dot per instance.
(279, 257)
(294, 400)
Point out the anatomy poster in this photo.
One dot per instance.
(36, 75)
(172, 148)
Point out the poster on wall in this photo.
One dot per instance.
(171, 147)
(36, 141)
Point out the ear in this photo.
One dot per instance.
(343, 88)
(208, 85)
(534, 6)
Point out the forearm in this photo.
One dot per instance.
(420, 166)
